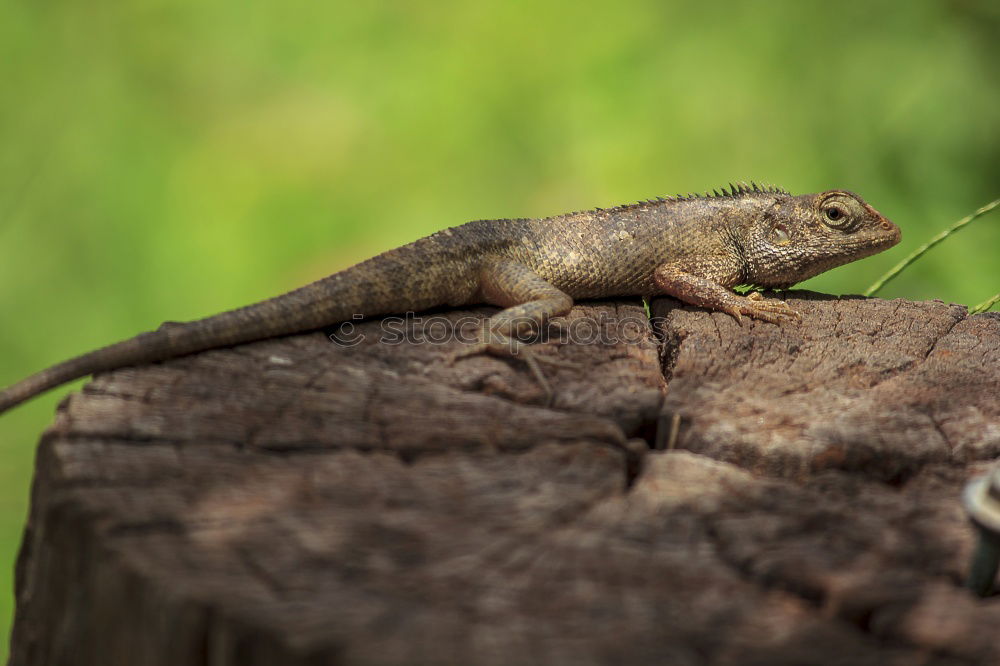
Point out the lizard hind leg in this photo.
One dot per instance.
(528, 302)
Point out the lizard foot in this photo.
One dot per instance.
(766, 309)
(502, 346)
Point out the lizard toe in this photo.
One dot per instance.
(769, 310)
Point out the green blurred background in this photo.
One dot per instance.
(168, 160)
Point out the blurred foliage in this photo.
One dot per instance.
(171, 159)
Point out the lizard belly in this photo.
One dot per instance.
(589, 277)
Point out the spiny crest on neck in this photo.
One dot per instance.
(735, 190)
(738, 189)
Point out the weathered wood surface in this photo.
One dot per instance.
(297, 502)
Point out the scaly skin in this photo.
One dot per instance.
(694, 248)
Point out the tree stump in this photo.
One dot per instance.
(697, 492)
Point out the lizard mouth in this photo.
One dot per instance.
(893, 233)
(885, 235)
(875, 243)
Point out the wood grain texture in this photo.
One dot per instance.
(297, 502)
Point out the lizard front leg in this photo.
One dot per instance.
(528, 302)
(705, 283)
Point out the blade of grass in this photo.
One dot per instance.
(985, 305)
(916, 254)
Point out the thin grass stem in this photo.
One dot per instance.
(916, 254)
(985, 305)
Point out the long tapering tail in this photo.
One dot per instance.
(142, 347)
(374, 287)
(300, 310)
(294, 312)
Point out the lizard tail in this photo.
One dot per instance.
(262, 320)
(366, 289)
(274, 317)
(106, 358)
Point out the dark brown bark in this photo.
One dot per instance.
(298, 502)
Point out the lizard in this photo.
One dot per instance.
(693, 247)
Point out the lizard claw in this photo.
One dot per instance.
(735, 313)
(468, 350)
(767, 309)
(500, 345)
(531, 361)
(554, 362)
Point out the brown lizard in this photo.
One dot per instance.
(692, 247)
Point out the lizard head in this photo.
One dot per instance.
(802, 236)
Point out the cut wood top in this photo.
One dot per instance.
(296, 501)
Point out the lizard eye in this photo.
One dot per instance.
(836, 216)
(841, 211)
